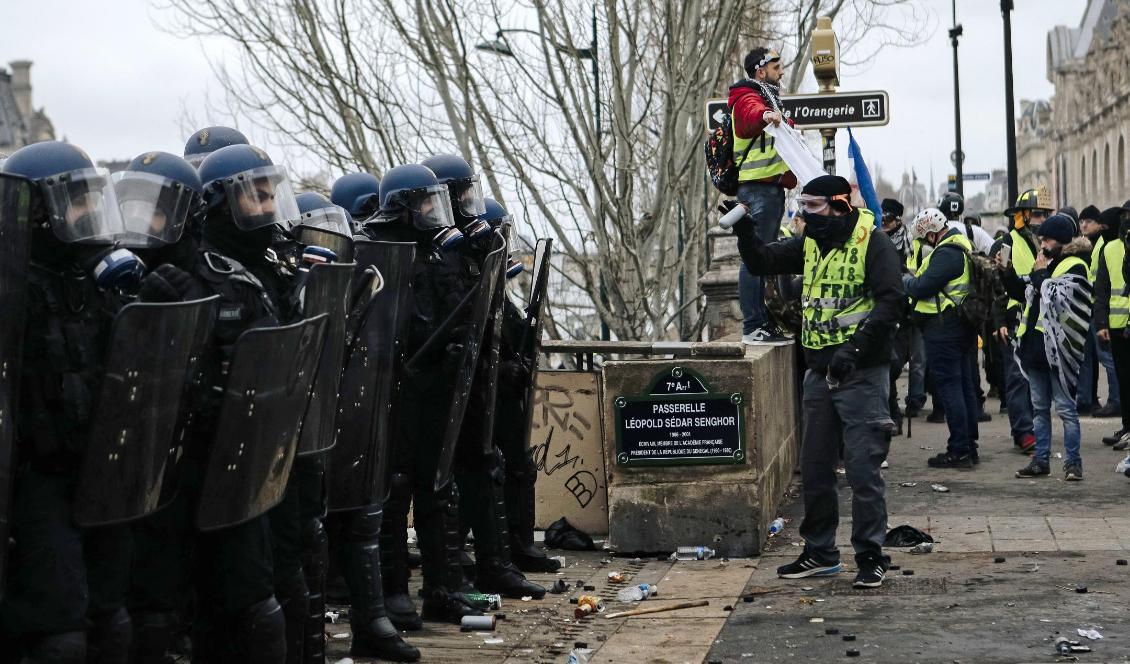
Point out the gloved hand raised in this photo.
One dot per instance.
(167, 283)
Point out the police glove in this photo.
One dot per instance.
(167, 283)
(843, 363)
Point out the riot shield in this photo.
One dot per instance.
(358, 464)
(326, 292)
(268, 388)
(486, 379)
(15, 235)
(155, 349)
(475, 324)
(529, 349)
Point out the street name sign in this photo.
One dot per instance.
(830, 111)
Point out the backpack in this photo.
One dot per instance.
(977, 306)
(720, 162)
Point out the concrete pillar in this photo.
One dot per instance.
(21, 86)
(720, 286)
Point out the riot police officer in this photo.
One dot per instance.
(416, 208)
(480, 475)
(512, 419)
(353, 536)
(209, 139)
(66, 588)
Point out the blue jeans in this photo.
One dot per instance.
(1016, 394)
(1087, 377)
(950, 345)
(1046, 388)
(766, 204)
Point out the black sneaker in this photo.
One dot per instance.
(1108, 410)
(947, 460)
(1073, 472)
(809, 565)
(1123, 443)
(936, 416)
(983, 417)
(1033, 469)
(870, 574)
(762, 335)
(1115, 437)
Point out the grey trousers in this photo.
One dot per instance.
(855, 415)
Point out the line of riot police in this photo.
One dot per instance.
(219, 401)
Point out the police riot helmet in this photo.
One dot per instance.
(952, 205)
(209, 139)
(77, 198)
(255, 190)
(323, 224)
(159, 194)
(462, 184)
(357, 193)
(495, 214)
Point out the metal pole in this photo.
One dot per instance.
(829, 145)
(959, 158)
(605, 333)
(1006, 13)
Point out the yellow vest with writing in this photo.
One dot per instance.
(834, 299)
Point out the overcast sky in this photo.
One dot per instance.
(116, 85)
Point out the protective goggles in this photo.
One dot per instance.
(812, 204)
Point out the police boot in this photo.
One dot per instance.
(65, 648)
(108, 638)
(394, 555)
(259, 633)
(152, 636)
(373, 633)
(315, 561)
(520, 513)
(437, 531)
(495, 572)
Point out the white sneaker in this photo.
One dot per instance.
(762, 335)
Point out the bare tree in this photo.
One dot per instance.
(367, 84)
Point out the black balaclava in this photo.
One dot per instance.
(827, 228)
(247, 247)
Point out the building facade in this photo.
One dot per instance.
(20, 122)
(1089, 66)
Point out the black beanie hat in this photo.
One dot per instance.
(890, 205)
(1110, 217)
(827, 185)
(1059, 227)
(1090, 212)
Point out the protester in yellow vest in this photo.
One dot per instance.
(1112, 311)
(937, 291)
(1057, 296)
(907, 347)
(763, 176)
(1031, 208)
(852, 300)
(1099, 231)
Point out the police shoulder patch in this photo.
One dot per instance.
(231, 312)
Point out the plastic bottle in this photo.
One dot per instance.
(777, 526)
(636, 593)
(580, 654)
(694, 553)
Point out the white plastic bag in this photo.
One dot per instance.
(794, 150)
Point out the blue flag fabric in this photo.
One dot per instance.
(863, 178)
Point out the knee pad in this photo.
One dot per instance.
(262, 632)
(364, 524)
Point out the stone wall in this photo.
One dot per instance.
(725, 507)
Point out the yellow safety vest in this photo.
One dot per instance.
(761, 162)
(1115, 254)
(786, 230)
(914, 257)
(1023, 260)
(1064, 265)
(956, 290)
(834, 299)
(1096, 257)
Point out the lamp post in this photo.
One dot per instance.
(499, 46)
(959, 157)
(1009, 102)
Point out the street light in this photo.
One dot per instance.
(1006, 14)
(959, 157)
(499, 46)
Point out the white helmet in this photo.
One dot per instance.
(929, 220)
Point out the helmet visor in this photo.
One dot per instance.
(468, 196)
(334, 219)
(431, 208)
(81, 206)
(154, 208)
(261, 197)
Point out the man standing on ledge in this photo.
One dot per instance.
(762, 176)
(852, 302)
